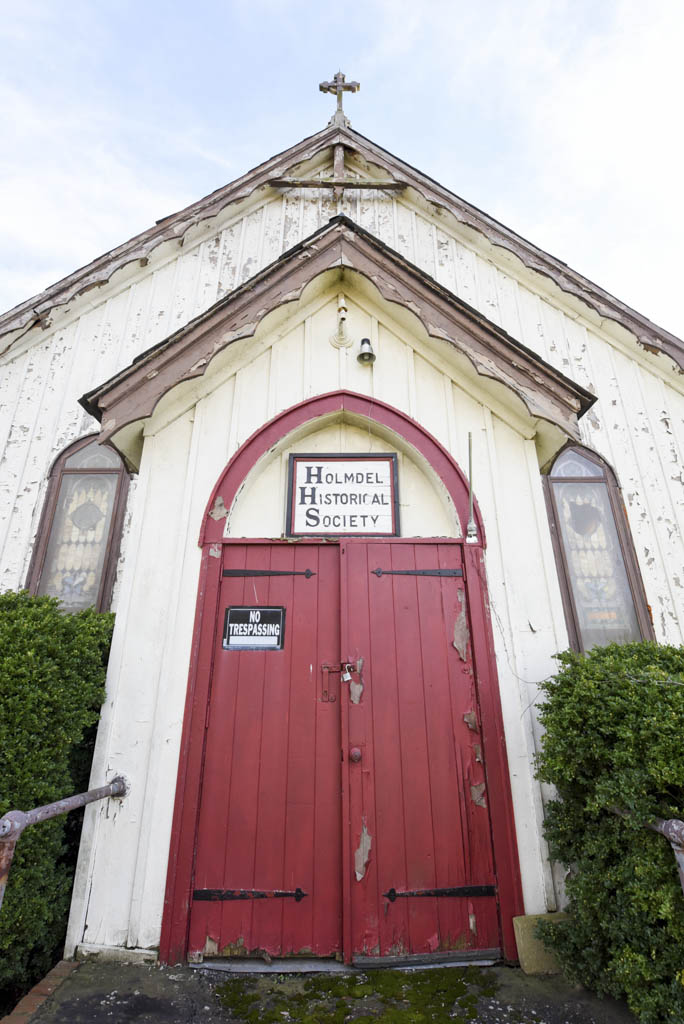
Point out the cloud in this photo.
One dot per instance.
(559, 118)
(607, 131)
(78, 182)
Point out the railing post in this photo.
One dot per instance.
(673, 830)
(14, 822)
(7, 847)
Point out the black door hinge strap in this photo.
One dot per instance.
(417, 572)
(268, 572)
(460, 890)
(223, 895)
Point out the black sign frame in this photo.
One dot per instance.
(276, 615)
(333, 457)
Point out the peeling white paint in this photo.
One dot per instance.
(356, 690)
(461, 632)
(637, 425)
(470, 719)
(219, 510)
(477, 794)
(362, 852)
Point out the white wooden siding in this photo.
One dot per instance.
(637, 424)
(39, 388)
(186, 448)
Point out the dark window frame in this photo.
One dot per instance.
(113, 543)
(604, 474)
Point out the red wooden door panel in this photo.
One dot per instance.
(407, 813)
(414, 795)
(269, 818)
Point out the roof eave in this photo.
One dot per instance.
(132, 395)
(36, 311)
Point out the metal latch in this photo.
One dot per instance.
(328, 694)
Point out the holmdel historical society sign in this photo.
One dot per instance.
(343, 495)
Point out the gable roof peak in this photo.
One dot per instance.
(273, 173)
(341, 251)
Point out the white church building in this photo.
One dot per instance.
(350, 461)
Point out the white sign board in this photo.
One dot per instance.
(343, 495)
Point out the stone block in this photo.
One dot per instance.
(534, 957)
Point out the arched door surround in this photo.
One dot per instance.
(369, 817)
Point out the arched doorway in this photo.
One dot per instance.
(344, 791)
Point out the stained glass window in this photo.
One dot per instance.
(602, 590)
(78, 539)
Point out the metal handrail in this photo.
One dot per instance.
(14, 822)
(672, 829)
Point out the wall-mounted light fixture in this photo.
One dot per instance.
(366, 354)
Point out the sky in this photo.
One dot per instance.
(560, 118)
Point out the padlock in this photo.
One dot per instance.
(346, 674)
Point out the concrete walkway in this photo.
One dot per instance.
(113, 993)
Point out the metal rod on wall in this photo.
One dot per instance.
(471, 530)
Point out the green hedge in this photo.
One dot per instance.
(52, 669)
(614, 723)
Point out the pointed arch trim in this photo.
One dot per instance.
(590, 521)
(370, 409)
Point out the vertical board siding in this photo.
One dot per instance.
(384, 222)
(251, 396)
(39, 388)
(405, 245)
(465, 274)
(311, 212)
(637, 425)
(230, 257)
(488, 298)
(182, 576)
(249, 265)
(185, 286)
(132, 337)
(664, 517)
(531, 328)
(292, 219)
(272, 235)
(367, 214)
(37, 423)
(392, 385)
(446, 271)
(158, 320)
(509, 304)
(140, 725)
(299, 359)
(329, 206)
(430, 409)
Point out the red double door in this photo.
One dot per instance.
(343, 803)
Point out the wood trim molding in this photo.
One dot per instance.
(132, 395)
(173, 944)
(371, 409)
(47, 516)
(605, 473)
(35, 312)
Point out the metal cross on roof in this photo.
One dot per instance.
(339, 86)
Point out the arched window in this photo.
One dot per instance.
(78, 538)
(603, 595)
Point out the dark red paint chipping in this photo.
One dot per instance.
(267, 795)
